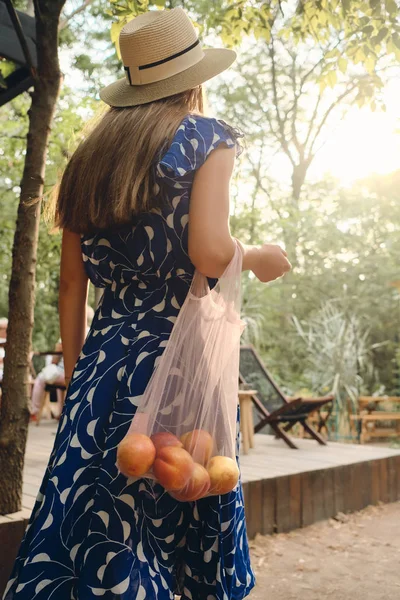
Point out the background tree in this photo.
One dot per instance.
(294, 93)
(349, 255)
(367, 27)
(14, 405)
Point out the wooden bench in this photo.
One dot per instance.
(374, 424)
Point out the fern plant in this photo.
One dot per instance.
(339, 358)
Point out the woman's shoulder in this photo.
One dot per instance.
(209, 126)
(196, 137)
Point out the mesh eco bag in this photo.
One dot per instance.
(184, 432)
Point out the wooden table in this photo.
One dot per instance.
(371, 403)
(372, 422)
(246, 418)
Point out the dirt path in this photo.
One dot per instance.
(355, 558)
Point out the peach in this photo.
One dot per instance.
(183, 437)
(224, 474)
(164, 438)
(173, 467)
(199, 444)
(197, 486)
(135, 455)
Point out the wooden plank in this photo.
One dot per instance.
(397, 465)
(341, 487)
(295, 501)
(392, 474)
(329, 494)
(381, 416)
(255, 508)
(307, 500)
(269, 506)
(353, 499)
(28, 502)
(383, 481)
(366, 484)
(375, 482)
(318, 495)
(29, 489)
(12, 529)
(380, 399)
(288, 503)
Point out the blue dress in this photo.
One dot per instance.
(93, 532)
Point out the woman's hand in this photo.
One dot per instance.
(268, 262)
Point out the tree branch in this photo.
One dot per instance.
(312, 120)
(281, 125)
(256, 95)
(75, 12)
(328, 112)
(296, 96)
(256, 172)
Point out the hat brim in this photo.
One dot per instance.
(121, 94)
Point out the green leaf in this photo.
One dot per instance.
(115, 31)
(370, 63)
(360, 99)
(396, 40)
(332, 53)
(331, 78)
(346, 5)
(322, 85)
(368, 30)
(391, 7)
(382, 34)
(359, 56)
(342, 64)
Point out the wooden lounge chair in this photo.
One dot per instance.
(274, 409)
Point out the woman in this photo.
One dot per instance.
(124, 207)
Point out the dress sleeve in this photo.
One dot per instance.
(194, 141)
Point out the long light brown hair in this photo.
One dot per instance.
(110, 177)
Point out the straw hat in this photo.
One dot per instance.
(162, 56)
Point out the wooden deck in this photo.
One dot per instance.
(287, 489)
(271, 458)
(283, 489)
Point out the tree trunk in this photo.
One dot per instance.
(14, 415)
(291, 234)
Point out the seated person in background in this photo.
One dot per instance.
(53, 374)
(3, 338)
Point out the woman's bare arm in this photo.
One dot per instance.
(72, 300)
(211, 246)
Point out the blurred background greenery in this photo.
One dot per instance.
(320, 174)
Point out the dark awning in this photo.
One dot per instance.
(11, 49)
